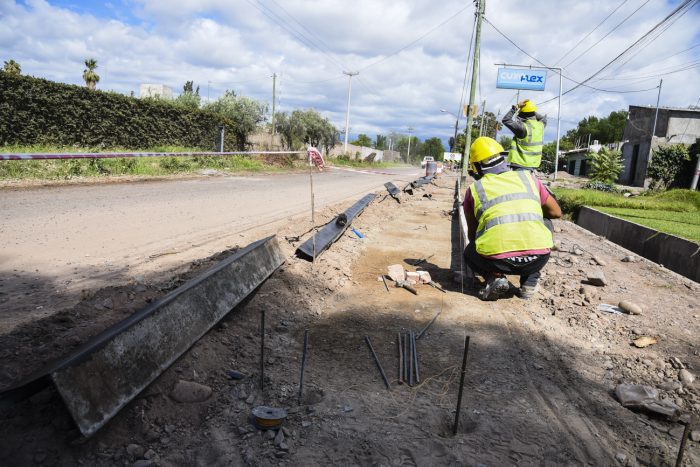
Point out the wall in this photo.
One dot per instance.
(353, 150)
(675, 253)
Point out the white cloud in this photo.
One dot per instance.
(223, 44)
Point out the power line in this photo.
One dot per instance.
(466, 71)
(591, 32)
(415, 40)
(624, 52)
(609, 32)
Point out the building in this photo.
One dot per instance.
(578, 161)
(156, 90)
(673, 126)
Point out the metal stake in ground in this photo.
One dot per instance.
(262, 349)
(405, 358)
(461, 385)
(303, 364)
(410, 358)
(400, 359)
(427, 326)
(415, 356)
(681, 449)
(379, 365)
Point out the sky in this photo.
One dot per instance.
(412, 55)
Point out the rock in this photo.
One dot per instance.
(135, 451)
(250, 399)
(283, 446)
(305, 424)
(644, 341)
(676, 363)
(695, 435)
(686, 377)
(279, 454)
(578, 251)
(629, 259)
(637, 396)
(108, 303)
(596, 278)
(397, 272)
(630, 307)
(279, 438)
(169, 428)
(189, 391)
(150, 455)
(670, 386)
(599, 261)
(142, 463)
(235, 375)
(270, 435)
(621, 457)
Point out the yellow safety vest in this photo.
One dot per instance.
(527, 152)
(508, 209)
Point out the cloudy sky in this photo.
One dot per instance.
(411, 54)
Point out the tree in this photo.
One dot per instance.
(606, 130)
(549, 152)
(433, 147)
(666, 162)
(243, 112)
(380, 142)
(12, 68)
(505, 141)
(91, 78)
(401, 145)
(490, 128)
(606, 166)
(362, 140)
(190, 97)
(304, 127)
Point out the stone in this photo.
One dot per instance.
(578, 251)
(695, 435)
(670, 386)
(630, 308)
(270, 434)
(686, 377)
(599, 261)
(621, 457)
(597, 278)
(135, 451)
(676, 363)
(305, 424)
(637, 396)
(108, 303)
(189, 391)
(150, 455)
(250, 399)
(142, 463)
(644, 341)
(279, 438)
(629, 259)
(397, 272)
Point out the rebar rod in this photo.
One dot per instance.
(461, 385)
(379, 365)
(303, 364)
(681, 449)
(405, 358)
(262, 349)
(427, 326)
(415, 356)
(410, 359)
(400, 359)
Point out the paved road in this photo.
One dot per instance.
(63, 239)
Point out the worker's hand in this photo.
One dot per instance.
(514, 107)
(522, 104)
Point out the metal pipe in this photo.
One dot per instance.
(379, 365)
(411, 380)
(385, 284)
(427, 326)
(262, 349)
(415, 356)
(303, 364)
(405, 358)
(681, 449)
(461, 385)
(400, 359)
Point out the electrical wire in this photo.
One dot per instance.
(678, 9)
(591, 32)
(606, 35)
(415, 40)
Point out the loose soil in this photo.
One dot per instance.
(539, 381)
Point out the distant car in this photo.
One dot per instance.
(425, 160)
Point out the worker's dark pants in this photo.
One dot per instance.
(527, 267)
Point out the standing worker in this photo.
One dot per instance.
(528, 130)
(505, 212)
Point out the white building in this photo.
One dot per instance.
(156, 90)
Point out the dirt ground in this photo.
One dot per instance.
(540, 373)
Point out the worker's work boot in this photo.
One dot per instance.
(496, 287)
(528, 286)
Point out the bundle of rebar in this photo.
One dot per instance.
(409, 368)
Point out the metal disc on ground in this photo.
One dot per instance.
(268, 418)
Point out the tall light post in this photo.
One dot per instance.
(456, 125)
(347, 112)
(408, 157)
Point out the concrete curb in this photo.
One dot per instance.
(675, 253)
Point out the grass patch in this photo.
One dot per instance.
(675, 212)
(56, 169)
(674, 223)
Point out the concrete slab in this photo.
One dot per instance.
(119, 363)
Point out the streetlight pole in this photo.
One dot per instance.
(456, 125)
(347, 112)
(408, 157)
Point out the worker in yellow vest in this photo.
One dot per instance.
(528, 131)
(506, 212)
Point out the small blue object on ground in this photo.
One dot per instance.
(357, 233)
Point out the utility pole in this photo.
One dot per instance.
(481, 8)
(658, 98)
(408, 157)
(274, 99)
(347, 112)
(495, 132)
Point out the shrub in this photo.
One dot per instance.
(601, 186)
(666, 162)
(606, 166)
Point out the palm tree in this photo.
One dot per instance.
(91, 78)
(11, 67)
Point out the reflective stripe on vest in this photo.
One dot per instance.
(509, 214)
(527, 152)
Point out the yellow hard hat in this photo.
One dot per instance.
(527, 106)
(483, 148)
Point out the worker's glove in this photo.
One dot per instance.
(514, 107)
(522, 104)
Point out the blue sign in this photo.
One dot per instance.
(521, 78)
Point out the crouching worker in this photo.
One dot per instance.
(505, 212)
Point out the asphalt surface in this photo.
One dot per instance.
(62, 240)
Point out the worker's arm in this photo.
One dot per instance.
(541, 118)
(513, 123)
(551, 209)
(471, 225)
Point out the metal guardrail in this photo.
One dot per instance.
(112, 155)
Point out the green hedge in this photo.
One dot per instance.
(37, 111)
